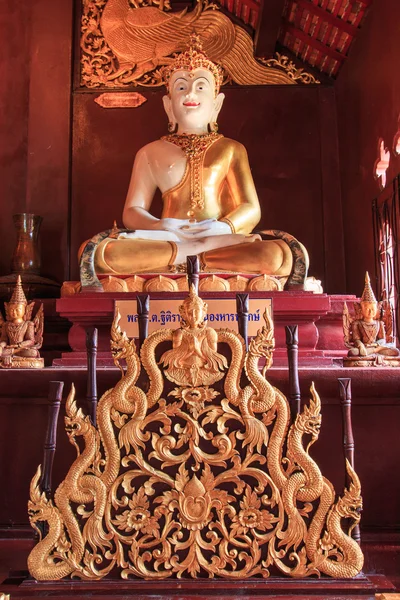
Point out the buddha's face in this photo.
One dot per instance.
(369, 310)
(191, 102)
(16, 312)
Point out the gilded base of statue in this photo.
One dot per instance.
(168, 282)
(21, 362)
(373, 360)
(209, 282)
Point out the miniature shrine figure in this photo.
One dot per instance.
(194, 359)
(21, 337)
(210, 204)
(369, 335)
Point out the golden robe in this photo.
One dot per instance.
(228, 194)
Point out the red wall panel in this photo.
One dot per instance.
(368, 108)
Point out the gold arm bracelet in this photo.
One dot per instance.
(174, 248)
(231, 225)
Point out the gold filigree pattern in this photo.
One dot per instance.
(128, 43)
(195, 481)
(194, 147)
(283, 62)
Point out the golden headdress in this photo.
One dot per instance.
(18, 296)
(193, 58)
(190, 302)
(368, 294)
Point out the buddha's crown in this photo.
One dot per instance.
(18, 296)
(193, 58)
(368, 294)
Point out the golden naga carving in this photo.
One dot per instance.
(126, 42)
(369, 334)
(198, 476)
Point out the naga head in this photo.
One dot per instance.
(75, 421)
(121, 346)
(309, 420)
(349, 506)
(263, 344)
(39, 507)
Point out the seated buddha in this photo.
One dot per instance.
(210, 204)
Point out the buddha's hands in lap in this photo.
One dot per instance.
(202, 229)
(174, 225)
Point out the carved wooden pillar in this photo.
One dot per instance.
(55, 395)
(91, 390)
(348, 439)
(143, 307)
(292, 344)
(242, 309)
(193, 270)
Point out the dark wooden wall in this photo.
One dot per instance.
(64, 157)
(35, 137)
(15, 25)
(368, 108)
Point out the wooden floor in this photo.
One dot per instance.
(382, 566)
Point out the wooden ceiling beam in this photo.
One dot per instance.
(324, 78)
(269, 24)
(316, 44)
(328, 17)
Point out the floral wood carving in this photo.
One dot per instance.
(126, 42)
(197, 477)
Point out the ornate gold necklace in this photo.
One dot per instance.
(194, 146)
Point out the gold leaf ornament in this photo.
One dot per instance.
(195, 481)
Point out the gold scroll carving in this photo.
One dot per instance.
(197, 476)
(127, 42)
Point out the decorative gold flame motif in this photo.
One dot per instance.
(188, 480)
(128, 42)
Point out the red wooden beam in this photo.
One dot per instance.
(249, 3)
(324, 78)
(269, 23)
(327, 16)
(313, 42)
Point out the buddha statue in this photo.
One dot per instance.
(21, 337)
(369, 336)
(210, 205)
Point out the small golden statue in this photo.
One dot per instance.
(194, 359)
(21, 337)
(369, 335)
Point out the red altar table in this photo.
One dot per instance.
(319, 317)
